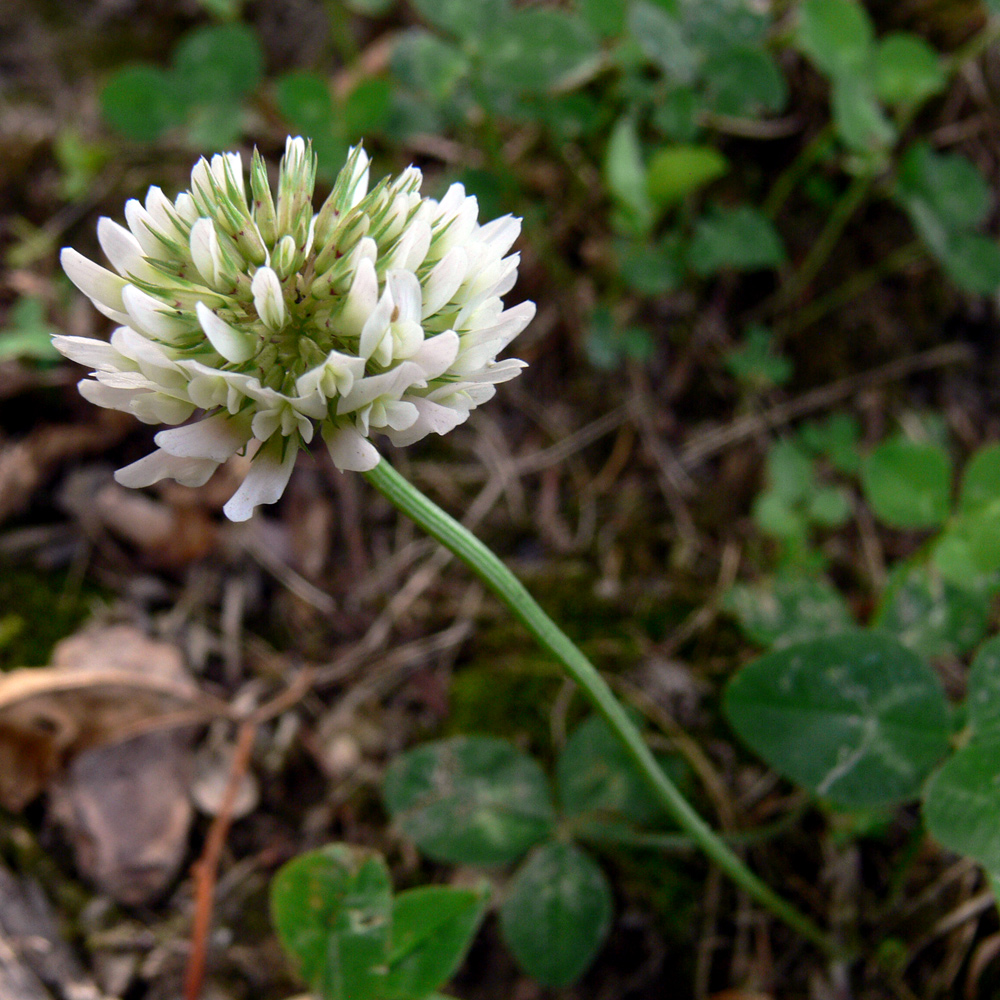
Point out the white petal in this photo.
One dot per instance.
(500, 371)
(96, 282)
(269, 473)
(350, 451)
(400, 415)
(436, 354)
(500, 234)
(376, 327)
(234, 345)
(206, 252)
(433, 418)
(217, 437)
(150, 357)
(87, 351)
(361, 299)
(159, 408)
(144, 228)
(149, 314)
(162, 211)
(405, 290)
(508, 325)
(391, 384)
(444, 281)
(123, 250)
(268, 298)
(265, 423)
(186, 208)
(160, 465)
(106, 396)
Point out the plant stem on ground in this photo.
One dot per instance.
(462, 543)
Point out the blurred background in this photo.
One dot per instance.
(762, 237)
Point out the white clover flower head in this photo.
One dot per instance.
(380, 312)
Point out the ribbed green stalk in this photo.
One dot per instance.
(506, 586)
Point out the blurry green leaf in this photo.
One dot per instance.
(755, 364)
(907, 69)
(652, 269)
(432, 929)
(26, 332)
(712, 26)
(218, 64)
(742, 238)
(594, 774)
(980, 481)
(836, 438)
(141, 102)
(470, 800)
(366, 109)
(465, 18)
(908, 484)
(332, 909)
(857, 719)
(982, 697)
(745, 80)
(780, 518)
(79, 162)
(789, 471)
(676, 114)
(674, 172)
(951, 190)
(304, 99)
(837, 35)
(426, 63)
(931, 615)
(214, 126)
(860, 121)
(972, 261)
(606, 18)
(788, 609)
(534, 49)
(830, 507)
(625, 174)
(962, 802)
(608, 344)
(557, 913)
(660, 38)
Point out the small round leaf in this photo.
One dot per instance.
(674, 172)
(962, 802)
(141, 102)
(557, 913)
(432, 928)
(908, 484)
(907, 69)
(471, 800)
(332, 909)
(858, 719)
(932, 615)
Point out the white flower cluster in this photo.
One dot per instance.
(380, 312)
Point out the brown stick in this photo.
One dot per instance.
(206, 868)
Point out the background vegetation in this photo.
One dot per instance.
(763, 386)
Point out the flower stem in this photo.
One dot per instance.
(508, 588)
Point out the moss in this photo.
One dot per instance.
(511, 697)
(37, 609)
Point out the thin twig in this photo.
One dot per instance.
(206, 868)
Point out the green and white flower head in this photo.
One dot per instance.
(381, 312)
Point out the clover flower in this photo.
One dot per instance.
(381, 312)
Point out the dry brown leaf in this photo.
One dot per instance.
(50, 714)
